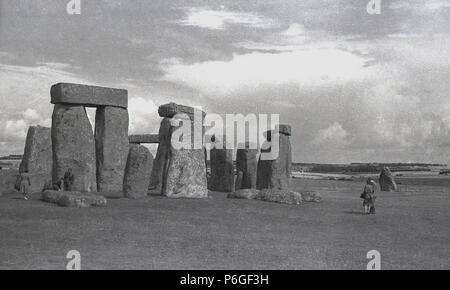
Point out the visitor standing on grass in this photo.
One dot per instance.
(68, 180)
(25, 185)
(369, 196)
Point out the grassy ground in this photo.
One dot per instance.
(410, 230)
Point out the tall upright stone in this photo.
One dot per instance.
(37, 156)
(222, 170)
(73, 146)
(387, 181)
(112, 147)
(180, 172)
(186, 168)
(159, 170)
(276, 173)
(246, 167)
(137, 173)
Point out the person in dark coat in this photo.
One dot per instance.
(68, 180)
(369, 196)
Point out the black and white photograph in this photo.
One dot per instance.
(232, 136)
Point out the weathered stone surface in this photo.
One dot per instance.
(37, 157)
(276, 173)
(73, 147)
(112, 147)
(8, 180)
(73, 199)
(172, 109)
(250, 193)
(112, 194)
(186, 168)
(144, 139)
(137, 173)
(387, 181)
(222, 170)
(280, 196)
(90, 96)
(246, 167)
(162, 156)
(37, 180)
(186, 174)
(282, 129)
(310, 196)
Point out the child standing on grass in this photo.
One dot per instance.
(25, 185)
(369, 196)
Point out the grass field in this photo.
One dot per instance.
(410, 230)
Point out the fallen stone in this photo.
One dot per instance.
(280, 196)
(310, 196)
(89, 96)
(73, 147)
(244, 194)
(137, 173)
(387, 181)
(37, 157)
(144, 139)
(112, 147)
(73, 199)
(222, 170)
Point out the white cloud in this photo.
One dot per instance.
(335, 135)
(219, 19)
(32, 115)
(307, 67)
(15, 129)
(420, 5)
(143, 116)
(287, 40)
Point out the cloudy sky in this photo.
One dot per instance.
(355, 87)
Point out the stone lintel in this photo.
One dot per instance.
(89, 96)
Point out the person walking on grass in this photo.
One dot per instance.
(369, 196)
(25, 185)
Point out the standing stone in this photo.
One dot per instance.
(276, 173)
(246, 167)
(222, 170)
(112, 147)
(186, 174)
(37, 157)
(387, 182)
(137, 173)
(162, 155)
(73, 146)
(186, 168)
